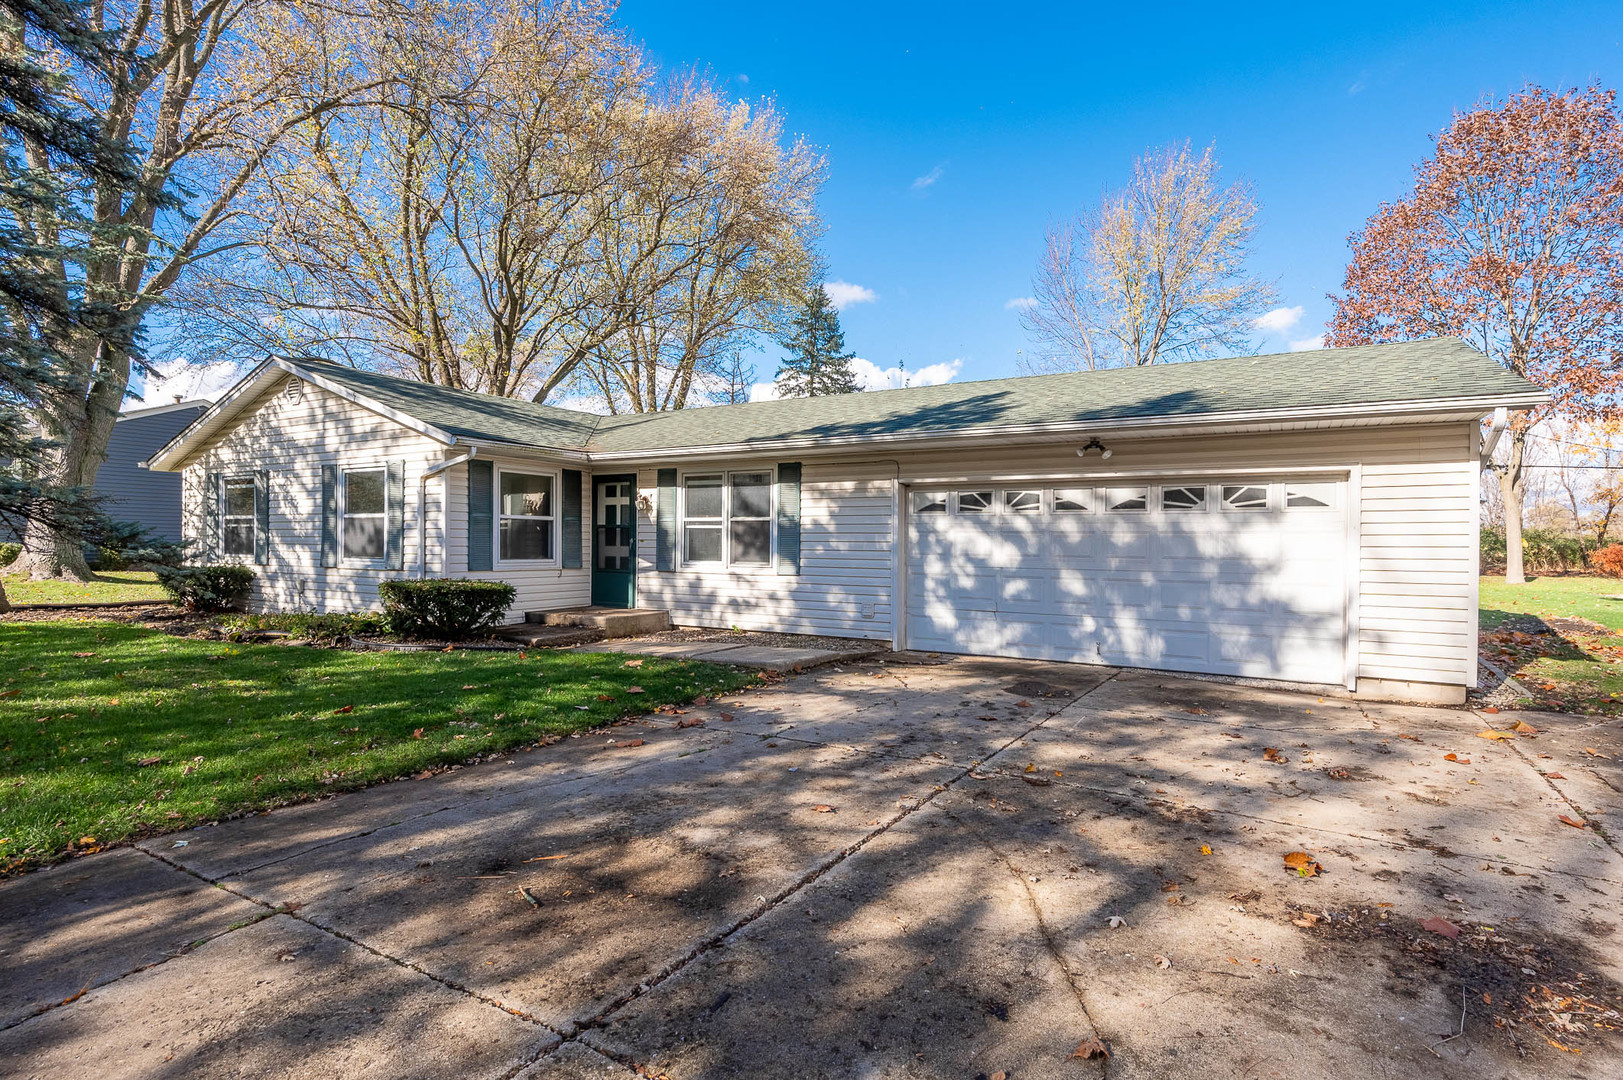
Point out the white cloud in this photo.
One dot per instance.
(842, 294)
(189, 381)
(922, 183)
(873, 377)
(1281, 320)
(1020, 303)
(1304, 344)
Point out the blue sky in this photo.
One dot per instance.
(1024, 113)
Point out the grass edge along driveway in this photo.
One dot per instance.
(109, 733)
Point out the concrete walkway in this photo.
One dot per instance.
(765, 657)
(881, 871)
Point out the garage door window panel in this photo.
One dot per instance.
(1073, 500)
(1181, 499)
(1245, 497)
(1127, 499)
(1023, 502)
(929, 502)
(975, 502)
(1320, 496)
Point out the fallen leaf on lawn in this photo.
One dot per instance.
(1440, 926)
(627, 744)
(1554, 776)
(1524, 728)
(1117, 922)
(1205, 849)
(10, 693)
(1271, 753)
(1456, 757)
(1093, 1048)
(1493, 734)
(635, 690)
(1575, 823)
(1306, 918)
(417, 733)
(632, 663)
(469, 686)
(144, 762)
(343, 709)
(823, 808)
(1303, 863)
(605, 697)
(1492, 709)
(1162, 962)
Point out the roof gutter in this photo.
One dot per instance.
(1117, 425)
(1501, 417)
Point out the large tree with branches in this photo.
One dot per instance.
(1513, 240)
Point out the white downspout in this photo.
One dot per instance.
(422, 506)
(1501, 418)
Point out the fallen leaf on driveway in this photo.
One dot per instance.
(1117, 922)
(1456, 757)
(627, 744)
(1205, 849)
(1022, 704)
(1001, 1074)
(727, 716)
(1162, 962)
(697, 721)
(1440, 926)
(1031, 766)
(1493, 734)
(1194, 710)
(1592, 752)
(823, 808)
(343, 709)
(1575, 823)
(1037, 781)
(1303, 863)
(1306, 918)
(701, 701)
(1492, 709)
(1271, 753)
(1093, 1048)
(988, 717)
(1522, 727)
(1554, 776)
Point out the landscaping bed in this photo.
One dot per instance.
(111, 731)
(1560, 638)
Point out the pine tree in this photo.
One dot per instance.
(817, 364)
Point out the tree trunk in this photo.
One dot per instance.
(1510, 489)
(5, 604)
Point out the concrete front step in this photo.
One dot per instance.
(541, 636)
(613, 622)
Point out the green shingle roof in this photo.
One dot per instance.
(1430, 370)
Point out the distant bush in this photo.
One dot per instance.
(207, 588)
(320, 629)
(9, 552)
(1608, 560)
(449, 609)
(1544, 551)
(110, 558)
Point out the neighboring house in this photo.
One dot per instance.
(133, 493)
(1309, 516)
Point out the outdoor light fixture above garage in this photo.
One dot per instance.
(1095, 444)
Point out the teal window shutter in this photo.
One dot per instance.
(789, 517)
(481, 514)
(210, 540)
(665, 522)
(572, 504)
(394, 550)
(329, 515)
(261, 517)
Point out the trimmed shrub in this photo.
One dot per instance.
(319, 629)
(1608, 560)
(9, 552)
(207, 588)
(448, 609)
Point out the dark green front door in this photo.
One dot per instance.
(614, 542)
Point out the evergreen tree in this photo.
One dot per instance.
(817, 364)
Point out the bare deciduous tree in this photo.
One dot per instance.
(1155, 273)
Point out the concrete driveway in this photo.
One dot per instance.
(876, 871)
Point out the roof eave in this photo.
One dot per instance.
(1210, 422)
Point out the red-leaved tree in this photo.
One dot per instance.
(1512, 240)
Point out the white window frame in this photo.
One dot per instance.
(227, 518)
(1147, 492)
(499, 563)
(1337, 488)
(1269, 502)
(1008, 510)
(1091, 503)
(1205, 506)
(344, 558)
(726, 520)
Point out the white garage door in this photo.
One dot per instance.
(1237, 577)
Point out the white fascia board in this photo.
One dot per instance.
(492, 448)
(1418, 410)
(174, 453)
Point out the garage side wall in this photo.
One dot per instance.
(290, 437)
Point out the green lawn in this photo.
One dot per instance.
(1579, 672)
(109, 732)
(115, 585)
